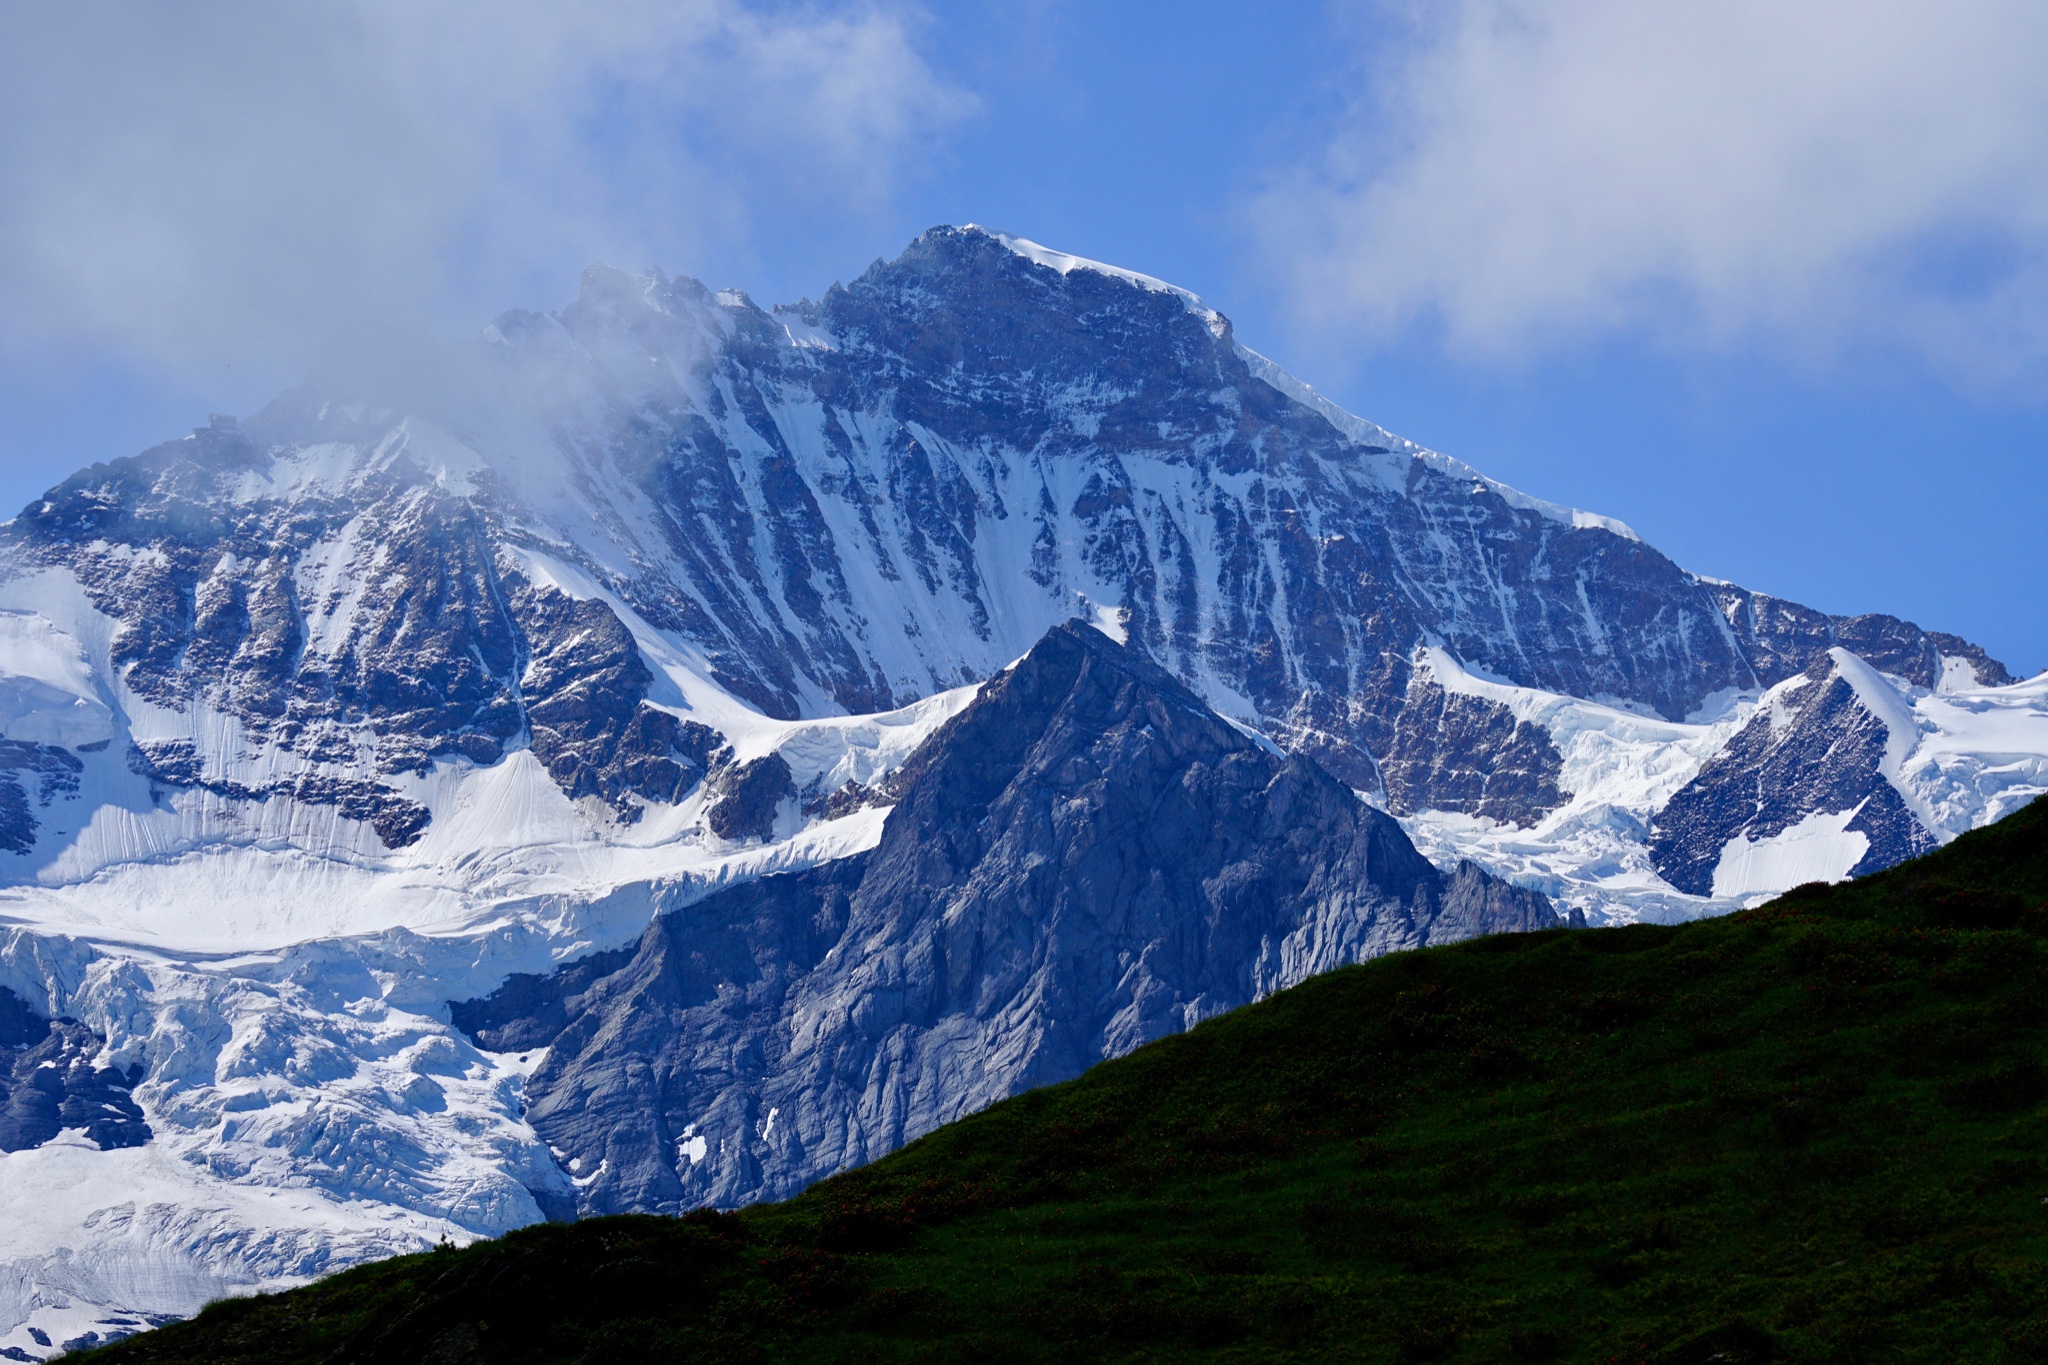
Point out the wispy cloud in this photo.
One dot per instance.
(1819, 174)
(229, 178)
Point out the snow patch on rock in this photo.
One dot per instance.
(1820, 848)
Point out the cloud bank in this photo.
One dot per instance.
(1822, 174)
(234, 179)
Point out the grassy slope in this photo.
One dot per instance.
(1810, 1132)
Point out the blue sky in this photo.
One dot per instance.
(1768, 286)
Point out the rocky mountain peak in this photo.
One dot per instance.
(752, 663)
(1085, 858)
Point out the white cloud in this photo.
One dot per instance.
(236, 178)
(1822, 173)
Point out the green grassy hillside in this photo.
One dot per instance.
(1812, 1132)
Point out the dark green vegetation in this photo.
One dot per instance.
(1812, 1132)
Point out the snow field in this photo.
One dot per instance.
(1962, 759)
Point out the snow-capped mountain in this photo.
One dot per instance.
(379, 700)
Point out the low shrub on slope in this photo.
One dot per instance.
(1811, 1132)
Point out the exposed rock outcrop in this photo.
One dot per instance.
(1815, 749)
(48, 1083)
(1084, 859)
(748, 796)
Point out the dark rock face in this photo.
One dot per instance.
(31, 776)
(583, 687)
(207, 583)
(1783, 638)
(748, 795)
(17, 822)
(1084, 859)
(1820, 750)
(1467, 754)
(846, 799)
(48, 1083)
(20, 1026)
(529, 1010)
(438, 653)
(397, 820)
(678, 1044)
(1473, 902)
(204, 581)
